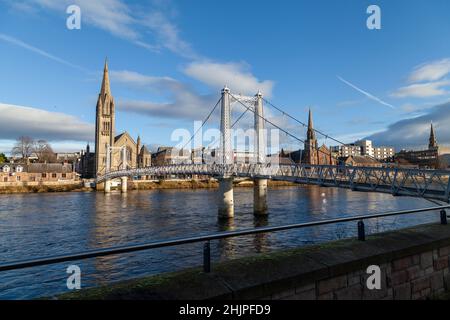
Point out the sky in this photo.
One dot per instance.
(169, 59)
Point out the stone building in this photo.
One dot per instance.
(86, 164)
(313, 154)
(37, 172)
(125, 152)
(169, 155)
(360, 161)
(428, 158)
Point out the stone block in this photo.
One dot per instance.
(328, 285)
(414, 272)
(354, 278)
(402, 292)
(447, 282)
(440, 263)
(326, 296)
(397, 278)
(437, 281)
(308, 287)
(444, 251)
(415, 259)
(426, 260)
(354, 292)
(401, 264)
(420, 284)
(305, 295)
(284, 295)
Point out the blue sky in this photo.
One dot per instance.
(169, 59)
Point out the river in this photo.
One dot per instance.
(36, 225)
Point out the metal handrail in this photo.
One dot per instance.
(21, 264)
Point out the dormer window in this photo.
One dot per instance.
(6, 168)
(19, 169)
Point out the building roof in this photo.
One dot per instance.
(144, 150)
(106, 89)
(124, 134)
(48, 167)
(360, 159)
(40, 167)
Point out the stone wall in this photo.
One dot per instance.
(414, 264)
(418, 276)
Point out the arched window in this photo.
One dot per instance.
(6, 168)
(129, 154)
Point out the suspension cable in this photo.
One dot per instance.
(240, 117)
(276, 126)
(203, 123)
(305, 125)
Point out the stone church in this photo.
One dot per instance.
(313, 154)
(125, 152)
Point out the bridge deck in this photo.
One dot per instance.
(432, 184)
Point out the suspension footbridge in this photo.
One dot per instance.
(424, 183)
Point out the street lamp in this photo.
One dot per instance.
(109, 150)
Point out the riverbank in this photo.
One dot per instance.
(198, 184)
(132, 185)
(413, 263)
(75, 187)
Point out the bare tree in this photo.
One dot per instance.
(23, 148)
(44, 151)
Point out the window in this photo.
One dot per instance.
(53, 175)
(44, 175)
(5, 179)
(63, 175)
(32, 178)
(18, 178)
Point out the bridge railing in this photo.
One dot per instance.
(206, 239)
(433, 184)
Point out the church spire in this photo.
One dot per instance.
(311, 135)
(432, 141)
(105, 83)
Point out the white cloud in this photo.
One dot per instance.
(422, 90)
(430, 71)
(129, 22)
(183, 101)
(235, 75)
(41, 124)
(147, 83)
(414, 132)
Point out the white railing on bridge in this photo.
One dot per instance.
(434, 184)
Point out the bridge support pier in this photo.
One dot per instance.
(260, 197)
(226, 198)
(107, 188)
(124, 184)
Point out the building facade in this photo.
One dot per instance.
(116, 151)
(37, 172)
(312, 154)
(428, 158)
(364, 148)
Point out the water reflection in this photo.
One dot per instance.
(35, 225)
(261, 240)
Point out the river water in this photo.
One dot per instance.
(36, 225)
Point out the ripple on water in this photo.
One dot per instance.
(35, 225)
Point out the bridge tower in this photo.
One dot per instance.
(260, 185)
(226, 158)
